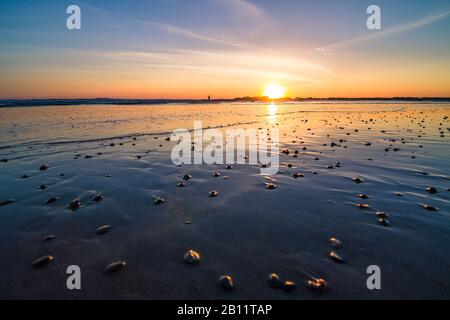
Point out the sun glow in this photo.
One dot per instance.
(274, 91)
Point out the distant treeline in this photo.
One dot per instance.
(98, 101)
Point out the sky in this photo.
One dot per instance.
(223, 48)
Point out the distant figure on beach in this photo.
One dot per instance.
(209, 98)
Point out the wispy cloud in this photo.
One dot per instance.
(373, 35)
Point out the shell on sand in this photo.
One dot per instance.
(363, 196)
(429, 208)
(298, 175)
(116, 266)
(335, 242)
(226, 282)
(363, 206)
(42, 261)
(381, 214)
(335, 257)
(288, 285)
(216, 174)
(103, 229)
(317, 284)
(187, 177)
(181, 184)
(274, 280)
(192, 257)
(159, 201)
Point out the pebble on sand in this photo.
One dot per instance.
(6, 202)
(181, 184)
(216, 174)
(51, 200)
(42, 261)
(103, 229)
(274, 281)
(432, 190)
(213, 193)
(43, 167)
(226, 282)
(187, 177)
(363, 196)
(192, 257)
(74, 205)
(271, 186)
(98, 197)
(49, 237)
(358, 180)
(363, 206)
(298, 175)
(116, 266)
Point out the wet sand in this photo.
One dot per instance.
(397, 150)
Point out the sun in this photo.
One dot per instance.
(274, 91)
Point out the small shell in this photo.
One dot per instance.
(317, 284)
(192, 257)
(335, 243)
(381, 215)
(103, 229)
(216, 174)
(226, 282)
(116, 266)
(337, 258)
(213, 193)
(42, 261)
(357, 180)
(429, 208)
(363, 206)
(274, 280)
(181, 184)
(288, 285)
(298, 175)
(363, 196)
(159, 201)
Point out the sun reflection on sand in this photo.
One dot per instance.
(272, 112)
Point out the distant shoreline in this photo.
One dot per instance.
(100, 101)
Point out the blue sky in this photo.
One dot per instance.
(176, 48)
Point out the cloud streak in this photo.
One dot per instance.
(387, 32)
